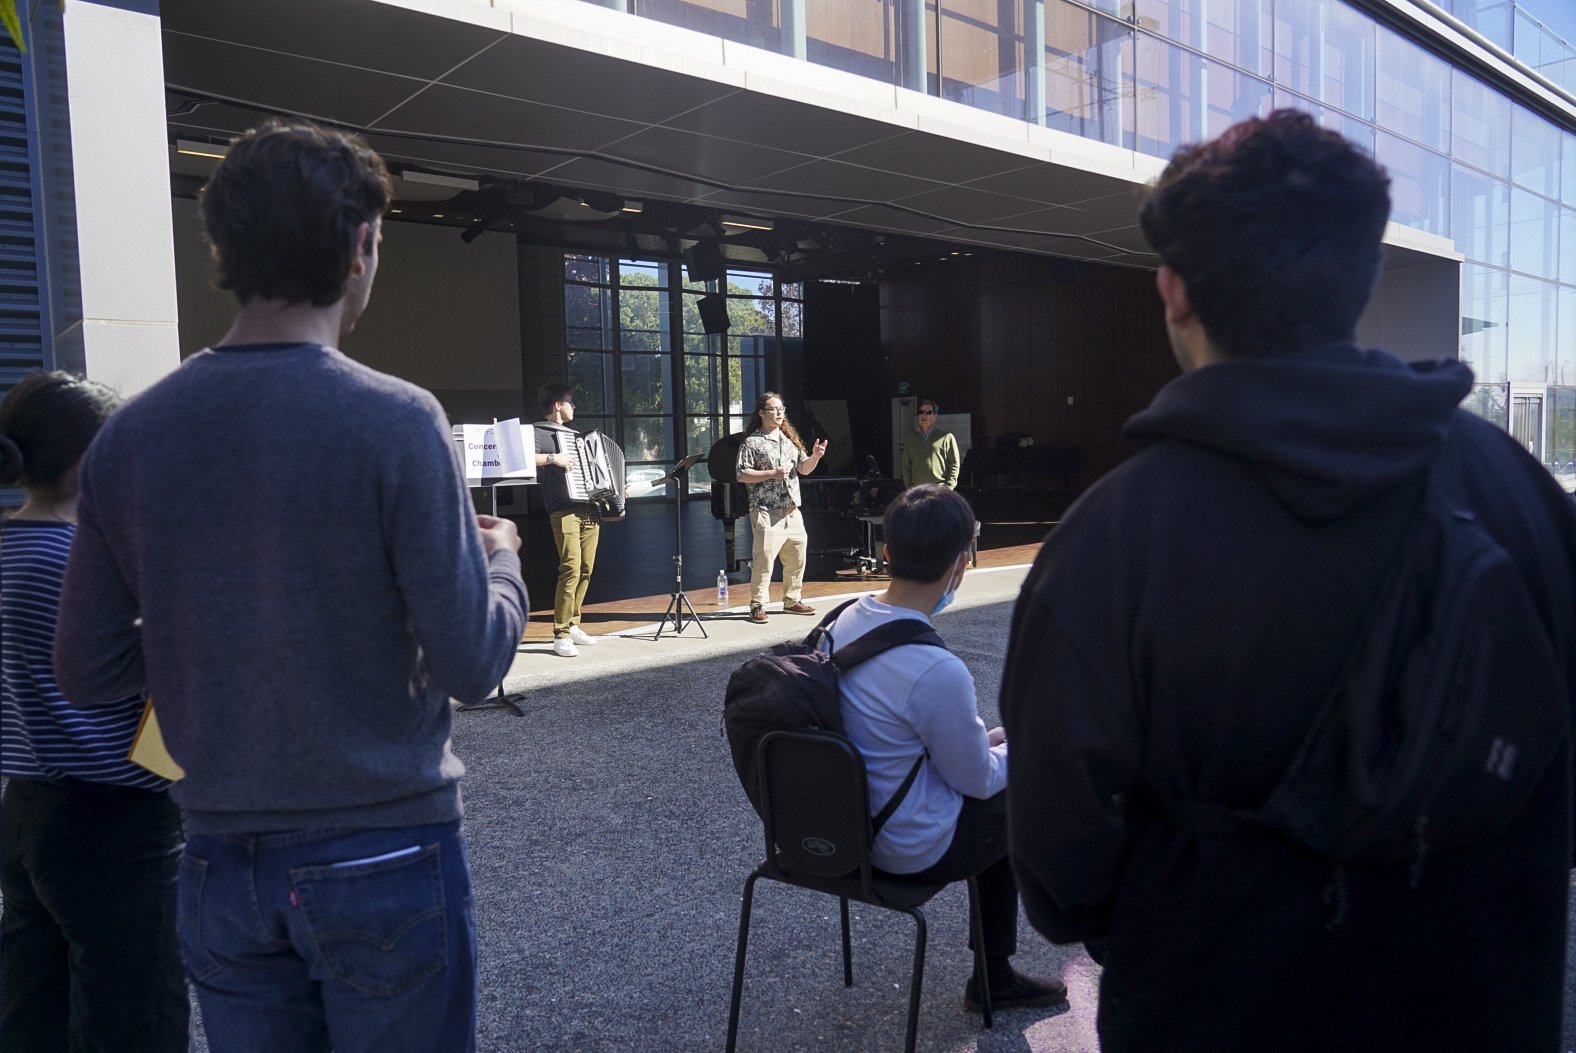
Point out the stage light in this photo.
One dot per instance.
(197, 149)
(494, 206)
(747, 223)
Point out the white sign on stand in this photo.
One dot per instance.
(500, 453)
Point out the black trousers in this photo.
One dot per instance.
(88, 958)
(979, 850)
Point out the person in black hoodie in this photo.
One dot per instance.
(1185, 621)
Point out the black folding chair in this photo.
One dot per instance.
(816, 805)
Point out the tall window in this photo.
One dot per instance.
(625, 318)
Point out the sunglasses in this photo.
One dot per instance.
(927, 413)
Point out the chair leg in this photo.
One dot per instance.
(917, 983)
(738, 961)
(848, 949)
(977, 927)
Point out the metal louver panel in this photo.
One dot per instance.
(21, 314)
(21, 321)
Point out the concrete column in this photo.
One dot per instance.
(1034, 60)
(120, 163)
(911, 26)
(795, 33)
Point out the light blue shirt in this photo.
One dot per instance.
(895, 707)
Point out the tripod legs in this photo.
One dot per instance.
(677, 605)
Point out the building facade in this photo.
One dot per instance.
(974, 165)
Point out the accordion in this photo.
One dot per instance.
(596, 471)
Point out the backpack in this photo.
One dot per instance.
(795, 686)
(1444, 718)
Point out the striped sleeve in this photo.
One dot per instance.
(42, 735)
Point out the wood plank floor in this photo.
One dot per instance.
(633, 580)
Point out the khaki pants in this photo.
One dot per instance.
(777, 531)
(575, 534)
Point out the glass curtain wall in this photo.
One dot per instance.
(646, 372)
(1466, 162)
(1516, 28)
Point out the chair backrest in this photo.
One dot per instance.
(816, 805)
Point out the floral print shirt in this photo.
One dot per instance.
(762, 452)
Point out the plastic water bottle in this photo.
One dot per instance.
(722, 588)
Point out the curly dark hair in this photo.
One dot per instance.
(282, 207)
(1275, 227)
(46, 423)
(755, 421)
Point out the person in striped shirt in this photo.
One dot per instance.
(91, 842)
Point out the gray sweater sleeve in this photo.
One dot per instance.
(467, 610)
(98, 642)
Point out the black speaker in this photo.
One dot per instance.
(713, 313)
(704, 262)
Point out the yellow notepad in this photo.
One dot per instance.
(147, 749)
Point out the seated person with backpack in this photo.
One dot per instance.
(915, 703)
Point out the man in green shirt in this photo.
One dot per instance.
(930, 455)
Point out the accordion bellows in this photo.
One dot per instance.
(597, 474)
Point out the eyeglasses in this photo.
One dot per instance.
(927, 413)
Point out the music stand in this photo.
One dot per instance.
(499, 700)
(679, 474)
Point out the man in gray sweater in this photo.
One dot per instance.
(277, 544)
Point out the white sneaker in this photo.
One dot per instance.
(564, 647)
(581, 637)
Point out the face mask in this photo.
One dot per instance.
(946, 598)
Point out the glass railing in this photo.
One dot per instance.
(1150, 74)
(1543, 51)
(1515, 27)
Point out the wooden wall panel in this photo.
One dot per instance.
(930, 336)
(1011, 339)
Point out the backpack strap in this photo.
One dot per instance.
(883, 638)
(825, 624)
(878, 640)
(823, 629)
(890, 807)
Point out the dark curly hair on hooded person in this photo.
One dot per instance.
(46, 423)
(282, 208)
(1275, 228)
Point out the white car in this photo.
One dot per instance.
(640, 482)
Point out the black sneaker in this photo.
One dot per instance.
(1021, 992)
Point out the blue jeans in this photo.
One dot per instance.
(354, 940)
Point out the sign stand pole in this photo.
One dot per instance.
(499, 700)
